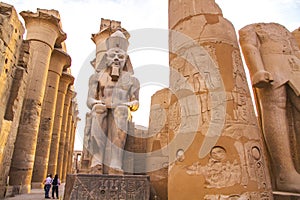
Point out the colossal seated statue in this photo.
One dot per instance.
(113, 94)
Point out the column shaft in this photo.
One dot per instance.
(71, 149)
(65, 80)
(63, 133)
(67, 145)
(59, 61)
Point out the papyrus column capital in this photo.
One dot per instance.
(60, 61)
(66, 79)
(43, 26)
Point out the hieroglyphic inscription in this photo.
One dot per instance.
(107, 187)
(246, 195)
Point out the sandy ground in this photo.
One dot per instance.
(37, 194)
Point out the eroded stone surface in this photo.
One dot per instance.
(216, 147)
(13, 79)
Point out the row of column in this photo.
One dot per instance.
(48, 115)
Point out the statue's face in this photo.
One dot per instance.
(116, 56)
(116, 60)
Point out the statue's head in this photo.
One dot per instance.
(116, 53)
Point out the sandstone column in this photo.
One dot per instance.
(67, 145)
(217, 150)
(63, 132)
(65, 80)
(43, 30)
(70, 150)
(75, 119)
(59, 61)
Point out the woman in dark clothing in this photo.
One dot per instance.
(55, 184)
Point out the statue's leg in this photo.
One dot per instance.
(98, 133)
(118, 137)
(295, 105)
(276, 131)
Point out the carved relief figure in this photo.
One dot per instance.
(218, 172)
(273, 59)
(113, 94)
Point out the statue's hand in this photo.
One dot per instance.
(262, 79)
(99, 107)
(133, 105)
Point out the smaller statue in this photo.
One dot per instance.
(273, 58)
(113, 94)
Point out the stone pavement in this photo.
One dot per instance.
(37, 194)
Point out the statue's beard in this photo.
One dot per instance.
(115, 73)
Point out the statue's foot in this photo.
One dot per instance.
(97, 169)
(115, 171)
(289, 183)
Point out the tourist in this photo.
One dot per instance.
(47, 185)
(55, 184)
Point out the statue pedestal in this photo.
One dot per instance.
(278, 195)
(97, 186)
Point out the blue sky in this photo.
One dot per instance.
(81, 18)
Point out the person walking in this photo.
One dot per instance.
(47, 185)
(55, 184)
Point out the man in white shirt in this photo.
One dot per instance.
(47, 183)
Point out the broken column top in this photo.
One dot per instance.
(191, 8)
(107, 27)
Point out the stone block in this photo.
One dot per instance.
(102, 187)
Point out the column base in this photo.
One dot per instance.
(9, 191)
(98, 186)
(37, 185)
(21, 189)
(279, 195)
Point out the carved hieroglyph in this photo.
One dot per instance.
(87, 186)
(273, 58)
(217, 146)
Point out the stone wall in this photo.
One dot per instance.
(13, 79)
